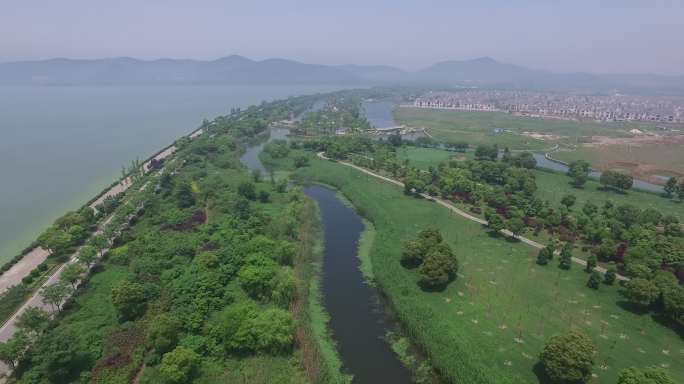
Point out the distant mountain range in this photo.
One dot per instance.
(238, 70)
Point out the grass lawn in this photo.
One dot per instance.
(477, 127)
(424, 157)
(490, 325)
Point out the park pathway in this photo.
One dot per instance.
(463, 213)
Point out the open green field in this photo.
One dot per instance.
(553, 186)
(477, 127)
(424, 157)
(490, 325)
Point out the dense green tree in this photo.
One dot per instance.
(99, 242)
(33, 321)
(516, 225)
(244, 328)
(616, 180)
(525, 160)
(486, 152)
(610, 276)
(579, 172)
(87, 255)
(638, 270)
(650, 216)
(640, 291)
(129, 299)
(437, 270)
(395, 139)
(71, 274)
(272, 331)
(590, 209)
(13, 350)
(264, 196)
(568, 200)
(673, 302)
(651, 375)
(565, 261)
(543, 256)
(184, 195)
(256, 277)
(55, 294)
(284, 287)
(412, 253)
(247, 190)
(301, 161)
(178, 366)
(592, 262)
(55, 240)
(494, 221)
(57, 356)
(162, 333)
(568, 358)
(594, 281)
(670, 187)
(429, 238)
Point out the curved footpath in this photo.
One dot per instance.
(462, 213)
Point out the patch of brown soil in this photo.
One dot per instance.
(646, 172)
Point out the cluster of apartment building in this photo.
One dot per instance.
(615, 107)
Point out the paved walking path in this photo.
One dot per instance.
(462, 213)
(23, 268)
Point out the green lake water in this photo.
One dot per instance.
(61, 145)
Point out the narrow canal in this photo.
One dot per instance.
(357, 318)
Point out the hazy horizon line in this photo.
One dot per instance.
(10, 61)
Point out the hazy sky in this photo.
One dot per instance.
(561, 35)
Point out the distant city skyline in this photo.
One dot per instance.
(611, 36)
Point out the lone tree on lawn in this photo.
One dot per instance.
(569, 358)
(670, 187)
(438, 264)
(568, 200)
(650, 375)
(543, 256)
(566, 257)
(594, 280)
(610, 276)
(438, 269)
(616, 180)
(579, 172)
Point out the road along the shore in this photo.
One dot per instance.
(462, 213)
(8, 329)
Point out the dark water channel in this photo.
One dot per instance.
(251, 156)
(357, 318)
